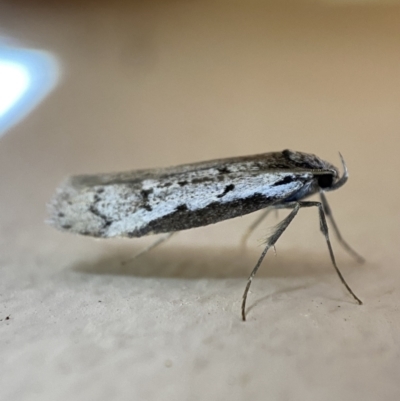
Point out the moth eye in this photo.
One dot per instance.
(325, 181)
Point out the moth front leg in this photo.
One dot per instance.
(345, 245)
(324, 230)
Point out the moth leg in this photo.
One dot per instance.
(279, 231)
(151, 246)
(324, 229)
(280, 228)
(345, 245)
(254, 225)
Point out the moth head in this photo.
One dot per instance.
(330, 182)
(326, 175)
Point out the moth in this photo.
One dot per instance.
(167, 200)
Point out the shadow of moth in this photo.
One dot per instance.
(167, 200)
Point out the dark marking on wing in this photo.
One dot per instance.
(182, 183)
(106, 221)
(227, 189)
(302, 160)
(93, 209)
(183, 218)
(201, 180)
(223, 170)
(145, 196)
(165, 184)
(287, 180)
(146, 192)
(181, 208)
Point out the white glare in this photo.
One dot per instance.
(14, 81)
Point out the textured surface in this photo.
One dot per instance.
(169, 83)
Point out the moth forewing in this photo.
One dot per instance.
(173, 199)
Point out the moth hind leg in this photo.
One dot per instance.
(149, 248)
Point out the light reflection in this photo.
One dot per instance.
(26, 78)
(14, 81)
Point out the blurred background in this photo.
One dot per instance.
(99, 86)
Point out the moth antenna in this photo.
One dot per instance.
(343, 179)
